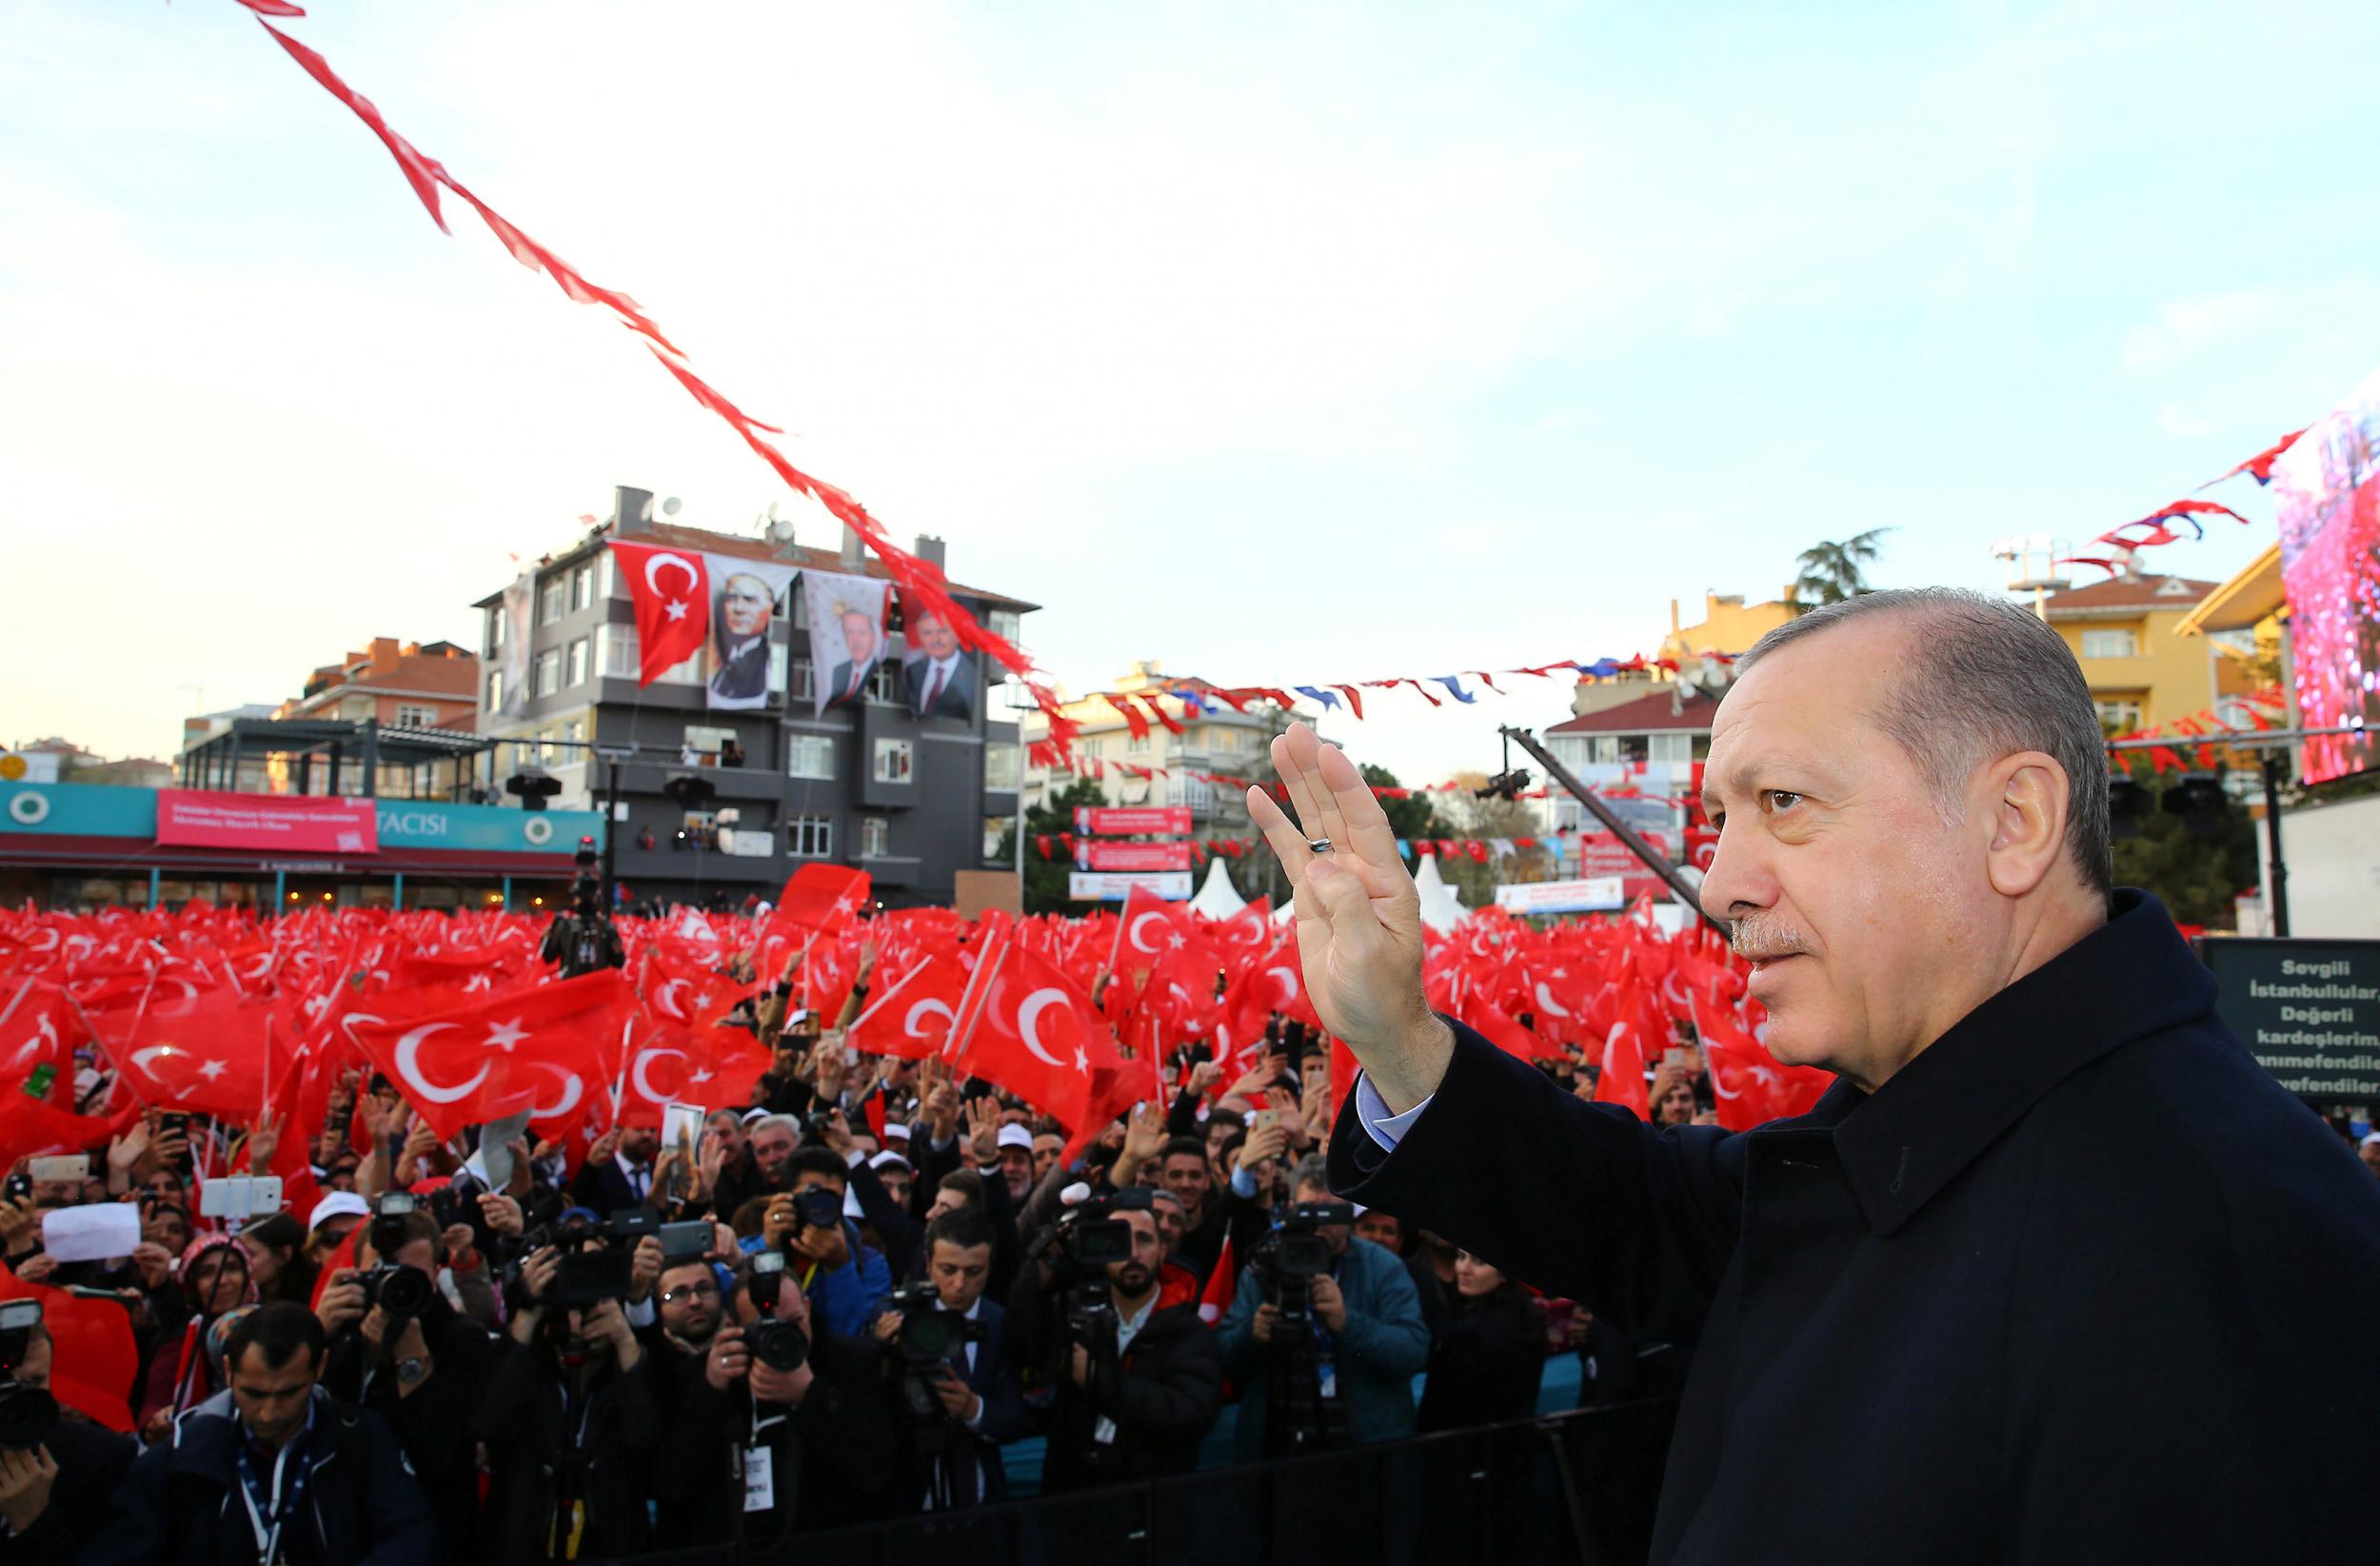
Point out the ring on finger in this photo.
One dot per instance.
(1319, 845)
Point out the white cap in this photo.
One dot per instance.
(881, 1160)
(2372, 1140)
(759, 1114)
(338, 1204)
(894, 1128)
(1013, 1135)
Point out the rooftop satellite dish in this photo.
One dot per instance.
(671, 507)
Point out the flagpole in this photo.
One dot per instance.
(978, 984)
(885, 999)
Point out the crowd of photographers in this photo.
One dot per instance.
(841, 1303)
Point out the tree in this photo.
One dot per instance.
(1830, 572)
(1045, 882)
(1408, 818)
(2195, 874)
(1463, 814)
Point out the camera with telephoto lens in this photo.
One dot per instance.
(929, 1334)
(27, 1414)
(780, 1345)
(399, 1291)
(816, 1207)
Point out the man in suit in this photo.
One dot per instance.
(740, 636)
(861, 653)
(960, 1408)
(940, 677)
(2053, 1271)
(618, 1172)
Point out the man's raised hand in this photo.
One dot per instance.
(1359, 917)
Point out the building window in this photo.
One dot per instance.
(1094, 748)
(798, 675)
(2120, 716)
(582, 587)
(411, 715)
(578, 662)
(893, 760)
(810, 755)
(1002, 765)
(1137, 745)
(495, 630)
(1004, 624)
(616, 655)
(549, 601)
(884, 684)
(2123, 642)
(1670, 747)
(702, 740)
(995, 830)
(875, 837)
(575, 731)
(495, 690)
(810, 837)
(549, 673)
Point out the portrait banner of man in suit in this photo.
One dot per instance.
(846, 615)
(938, 676)
(745, 594)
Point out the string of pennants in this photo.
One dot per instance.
(2159, 526)
(1098, 767)
(2202, 731)
(1061, 845)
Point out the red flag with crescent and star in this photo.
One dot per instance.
(714, 1068)
(670, 591)
(911, 1018)
(1030, 1030)
(553, 1049)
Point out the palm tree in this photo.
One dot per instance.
(1830, 572)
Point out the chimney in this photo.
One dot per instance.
(1673, 617)
(631, 509)
(930, 550)
(854, 557)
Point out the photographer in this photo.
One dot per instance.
(1325, 1332)
(271, 1469)
(846, 1282)
(949, 1352)
(584, 938)
(399, 1348)
(1130, 1388)
(777, 1427)
(54, 1489)
(570, 1418)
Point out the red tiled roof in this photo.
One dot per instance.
(2132, 592)
(1646, 714)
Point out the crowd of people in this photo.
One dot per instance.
(839, 1303)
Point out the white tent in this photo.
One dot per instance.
(1441, 911)
(1216, 899)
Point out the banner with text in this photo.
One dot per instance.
(1121, 821)
(2308, 1010)
(1562, 897)
(1091, 886)
(1132, 856)
(279, 824)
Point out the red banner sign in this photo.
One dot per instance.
(1120, 821)
(1132, 856)
(299, 823)
(1603, 854)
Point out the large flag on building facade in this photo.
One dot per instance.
(847, 636)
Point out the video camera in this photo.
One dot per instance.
(1298, 1250)
(1299, 1418)
(399, 1291)
(930, 1335)
(27, 1414)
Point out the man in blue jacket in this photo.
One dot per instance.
(270, 1469)
(1369, 1337)
(846, 1280)
(2053, 1272)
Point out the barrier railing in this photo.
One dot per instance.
(1576, 1488)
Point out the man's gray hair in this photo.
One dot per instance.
(1985, 678)
(1313, 1169)
(787, 1121)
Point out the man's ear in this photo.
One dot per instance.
(2026, 804)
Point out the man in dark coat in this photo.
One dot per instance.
(270, 1469)
(2054, 1271)
(54, 1494)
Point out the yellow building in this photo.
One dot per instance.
(1728, 624)
(2244, 621)
(2127, 634)
(1223, 743)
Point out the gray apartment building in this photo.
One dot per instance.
(912, 800)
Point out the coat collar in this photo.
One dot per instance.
(2131, 977)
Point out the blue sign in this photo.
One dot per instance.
(98, 810)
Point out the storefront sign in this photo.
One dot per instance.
(289, 823)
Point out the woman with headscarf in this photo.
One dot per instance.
(1485, 1370)
(216, 1279)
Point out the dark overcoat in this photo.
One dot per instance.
(2079, 1282)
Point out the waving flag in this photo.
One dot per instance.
(670, 591)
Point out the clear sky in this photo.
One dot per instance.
(1283, 343)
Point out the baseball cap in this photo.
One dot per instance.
(1013, 1135)
(337, 1204)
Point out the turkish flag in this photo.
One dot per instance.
(552, 1049)
(182, 1047)
(1148, 928)
(37, 1029)
(1752, 1086)
(1250, 929)
(31, 1128)
(1271, 984)
(691, 994)
(94, 1360)
(1032, 1032)
(911, 1018)
(670, 590)
(1622, 1079)
(710, 1066)
(821, 897)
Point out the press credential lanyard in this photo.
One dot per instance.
(269, 1537)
